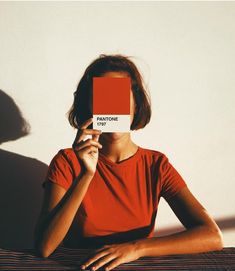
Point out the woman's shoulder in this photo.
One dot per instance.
(67, 155)
(66, 159)
(153, 156)
(152, 152)
(69, 152)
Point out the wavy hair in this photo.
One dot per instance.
(81, 110)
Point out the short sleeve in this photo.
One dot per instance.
(171, 181)
(59, 171)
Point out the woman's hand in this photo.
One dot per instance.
(117, 253)
(87, 150)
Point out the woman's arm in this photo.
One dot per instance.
(201, 235)
(59, 207)
(57, 214)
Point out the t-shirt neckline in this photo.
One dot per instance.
(122, 163)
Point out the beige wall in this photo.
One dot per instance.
(185, 51)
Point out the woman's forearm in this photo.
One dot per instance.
(56, 225)
(195, 240)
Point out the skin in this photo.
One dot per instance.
(201, 234)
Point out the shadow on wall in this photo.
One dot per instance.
(20, 179)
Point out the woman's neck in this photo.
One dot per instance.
(117, 146)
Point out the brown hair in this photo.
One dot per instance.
(81, 109)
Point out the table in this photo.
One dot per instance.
(70, 259)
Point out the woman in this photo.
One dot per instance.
(104, 192)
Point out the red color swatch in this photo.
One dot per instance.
(111, 95)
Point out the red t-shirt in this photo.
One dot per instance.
(122, 199)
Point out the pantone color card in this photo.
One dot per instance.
(111, 104)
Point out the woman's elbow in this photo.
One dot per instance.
(220, 240)
(217, 238)
(45, 253)
(42, 250)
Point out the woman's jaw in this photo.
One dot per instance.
(114, 137)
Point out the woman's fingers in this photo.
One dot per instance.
(82, 133)
(86, 143)
(95, 137)
(88, 149)
(95, 258)
(92, 132)
(86, 123)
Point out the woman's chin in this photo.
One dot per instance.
(114, 136)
